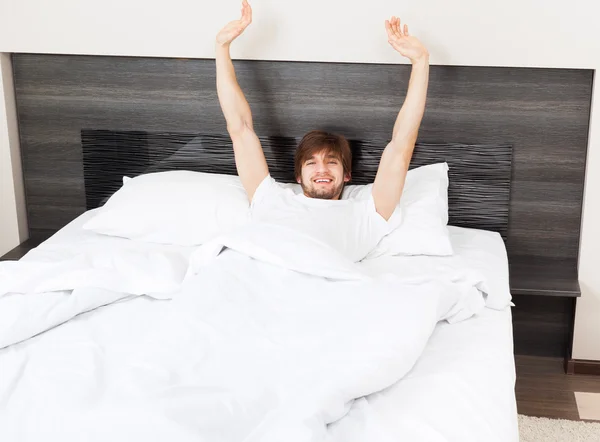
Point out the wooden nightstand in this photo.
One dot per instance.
(545, 292)
(20, 251)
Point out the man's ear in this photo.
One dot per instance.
(299, 180)
(347, 177)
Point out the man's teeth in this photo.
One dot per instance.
(322, 181)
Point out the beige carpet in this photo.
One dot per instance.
(541, 429)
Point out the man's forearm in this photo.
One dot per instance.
(409, 119)
(234, 105)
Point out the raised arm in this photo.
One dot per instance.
(249, 157)
(393, 166)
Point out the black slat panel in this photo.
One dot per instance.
(478, 194)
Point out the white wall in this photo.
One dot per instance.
(13, 222)
(586, 344)
(530, 33)
(552, 33)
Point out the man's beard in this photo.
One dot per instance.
(323, 194)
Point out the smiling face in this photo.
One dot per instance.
(322, 165)
(323, 176)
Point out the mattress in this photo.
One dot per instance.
(461, 388)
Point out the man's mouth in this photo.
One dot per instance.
(323, 181)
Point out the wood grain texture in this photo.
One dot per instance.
(542, 325)
(22, 249)
(543, 389)
(543, 276)
(583, 367)
(543, 113)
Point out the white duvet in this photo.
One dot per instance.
(269, 336)
(58, 281)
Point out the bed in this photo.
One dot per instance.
(95, 121)
(54, 384)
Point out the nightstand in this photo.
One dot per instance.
(545, 292)
(20, 251)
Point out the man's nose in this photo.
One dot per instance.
(321, 166)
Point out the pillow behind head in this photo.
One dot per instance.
(420, 219)
(175, 207)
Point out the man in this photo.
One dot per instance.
(322, 164)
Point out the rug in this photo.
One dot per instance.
(541, 429)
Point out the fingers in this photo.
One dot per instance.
(389, 30)
(248, 11)
(389, 27)
(395, 26)
(246, 14)
(244, 11)
(394, 30)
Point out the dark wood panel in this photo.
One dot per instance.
(22, 249)
(542, 325)
(51, 218)
(579, 366)
(544, 276)
(543, 113)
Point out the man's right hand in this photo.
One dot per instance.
(234, 29)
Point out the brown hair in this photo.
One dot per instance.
(316, 141)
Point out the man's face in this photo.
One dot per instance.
(322, 176)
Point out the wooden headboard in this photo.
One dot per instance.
(478, 194)
(542, 113)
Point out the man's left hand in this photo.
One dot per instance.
(403, 42)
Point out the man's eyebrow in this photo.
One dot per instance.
(328, 156)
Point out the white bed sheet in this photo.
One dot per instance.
(462, 385)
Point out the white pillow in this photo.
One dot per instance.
(175, 207)
(421, 215)
(190, 208)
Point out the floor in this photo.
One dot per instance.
(544, 390)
